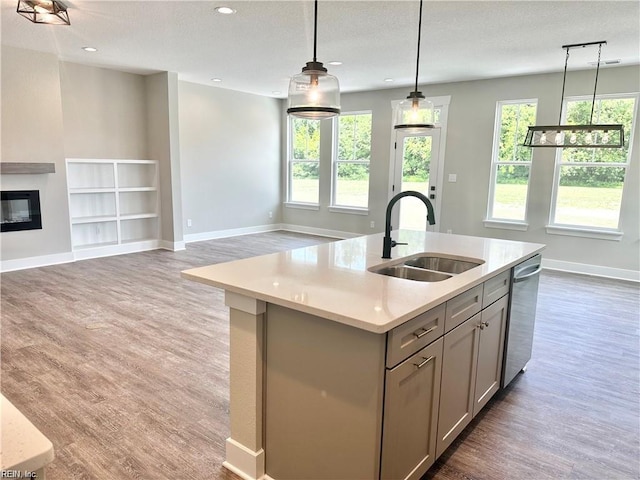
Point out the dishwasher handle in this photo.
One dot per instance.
(517, 277)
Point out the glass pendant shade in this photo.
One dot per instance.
(51, 12)
(314, 93)
(414, 112)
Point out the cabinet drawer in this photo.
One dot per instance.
(496, 287)
(411, 336)
(462, 307)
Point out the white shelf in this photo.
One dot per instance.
(112, 202)
(81, 220)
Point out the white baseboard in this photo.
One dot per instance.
(34, 262)
(321, 232)
(243, 461)
(233, 232)
(85, 254)
(173, 246)
(587, 269)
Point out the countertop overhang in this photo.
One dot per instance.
(332, 280)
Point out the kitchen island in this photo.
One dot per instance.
(339, 372)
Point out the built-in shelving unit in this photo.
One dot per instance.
(114, 204)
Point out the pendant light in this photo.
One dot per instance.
(51, 12)
(314, 93)
(415, 111)
(577, 136)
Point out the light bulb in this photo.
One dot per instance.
(573, 138)
(605, 137)
(558, 138)
(588, 138)
(543, 138)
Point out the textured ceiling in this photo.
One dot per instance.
(265, 42)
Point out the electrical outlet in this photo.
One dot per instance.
(270, 214)
(373, 224)
(189, 222)
(449, 230)
(453, 178)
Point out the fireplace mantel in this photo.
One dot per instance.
(26, 168)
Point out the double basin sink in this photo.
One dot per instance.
(427, 267)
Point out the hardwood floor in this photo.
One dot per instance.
(123, 365)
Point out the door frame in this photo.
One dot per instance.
(443, 104)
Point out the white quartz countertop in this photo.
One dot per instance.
(332, 280)
(23, 447)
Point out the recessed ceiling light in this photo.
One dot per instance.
(89, 49)
(335, 62)
(388, 79)
(216, 79)
(225, 10)
(276, 92)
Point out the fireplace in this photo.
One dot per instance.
(20, 210)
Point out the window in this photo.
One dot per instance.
(588, 182)
(511, 162)
(352, 155)
(304, 161)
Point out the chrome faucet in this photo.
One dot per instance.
(388, 242)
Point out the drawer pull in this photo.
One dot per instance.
(424, 332)
(424, 362)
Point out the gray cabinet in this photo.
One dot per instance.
(459, 364)
(493, 321)
(412, 396)
(471, 369)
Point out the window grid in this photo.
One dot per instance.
(508, 201)
(353, 192)
(572, 205)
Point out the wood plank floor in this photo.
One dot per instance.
(123, 365)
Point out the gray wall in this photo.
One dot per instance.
(32, 132)
(230, 158)
(468, 154)
(104, 113)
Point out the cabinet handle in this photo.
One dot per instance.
(486, 324)
(481, 326)
(424, 362)
(424, 332)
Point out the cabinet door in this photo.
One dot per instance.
(412, 394)
(459, 360)
(491, 347)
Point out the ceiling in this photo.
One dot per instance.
(258, 48)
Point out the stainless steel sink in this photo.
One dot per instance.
(411, 273)
(443, 264)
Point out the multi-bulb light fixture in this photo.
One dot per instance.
(50, 12)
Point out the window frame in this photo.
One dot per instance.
(335, 162)
(505, 223)
(291, 161)
(588, 230)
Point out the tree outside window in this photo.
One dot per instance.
(304, 161)
(589, 181)
(511, 162)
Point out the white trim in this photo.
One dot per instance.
(110, 250)
(302, 206)
(506, 225)
(584, 232)
(594, 270)
(233, 232)
(351, 210)
(34, 262)
(173, 246)
(243, 461)
(321, 232)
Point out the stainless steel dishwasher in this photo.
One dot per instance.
(522, 317)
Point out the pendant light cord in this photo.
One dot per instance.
(595, 85)
(418, 54)
(315, 30)
(564, 81)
